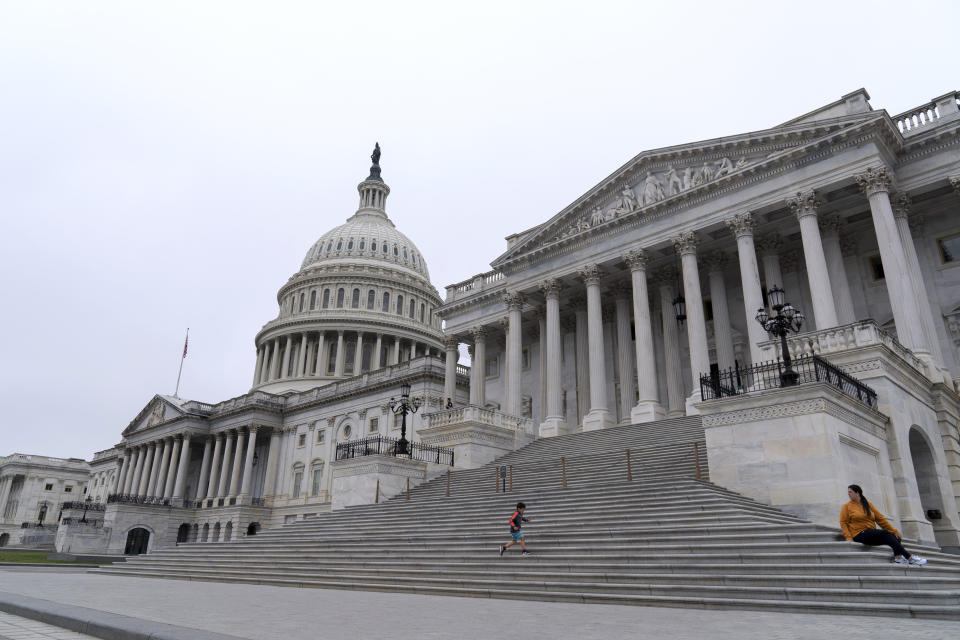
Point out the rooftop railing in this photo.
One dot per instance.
(477, 283)
(927, 114)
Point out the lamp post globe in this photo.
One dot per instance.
(402, 407)
(788, 318)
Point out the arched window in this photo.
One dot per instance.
(423, 311)
(413, 308)
(373, 245)
(371, 296)
(399, 305)
(302, 296)
(396, 252)
(404, 253)
(293, 301)
(313, 300)
(326, 298)
(350, 245)
(384, 247)
(355, 303)
(329, 249)
(339, 245)
(362, 243)
(386, 302)
(340, 295)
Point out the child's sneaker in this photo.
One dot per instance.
(901, 560)
(527, 553)
(502, 549)
(917, 561)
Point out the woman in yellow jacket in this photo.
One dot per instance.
(858, 519)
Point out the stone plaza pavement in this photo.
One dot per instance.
(265, 612)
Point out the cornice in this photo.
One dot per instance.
(361, 275)
(321, 320)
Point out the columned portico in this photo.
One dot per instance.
(625, 351)
(671, 343)
(514, 303)
(553, 423)
(225, 465)
(478, 394)
(648, 407)
(273, 455)
(181, 477)
(686, 245)
(722, 331)
(805, 206)
(215, 466)
(830, 235)
(451, 345)
(599, 416)
(237, 466)
(171, 467)
(742, 225)
(248, 464)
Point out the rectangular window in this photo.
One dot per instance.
(297, 479)
(302, 440)
(48, 487)
(525, 358)
(492, 367)
(68, 489)
(374, 425)
(317, 475)
(876, 267)
(320, 433)
(949, 248)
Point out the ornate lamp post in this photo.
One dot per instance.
(788, 319)
(402, 407)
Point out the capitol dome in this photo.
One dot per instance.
(362, 300)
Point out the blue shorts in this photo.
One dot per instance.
(516, 535)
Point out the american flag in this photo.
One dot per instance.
(185, 341)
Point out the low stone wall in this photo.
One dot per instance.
(366, 479)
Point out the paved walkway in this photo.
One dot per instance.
(17, 628)
(265, 613)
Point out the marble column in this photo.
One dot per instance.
(121, 477)
(805, 206)
(130, 486)
(358, 355)
(742, 225)
(553, 423)
(215, 465)
(599, 416)
(686, 245)
(204, 469)
(514, 304)
(270, 482)
(770, 247)
(625, 350)
(258, 367)
(673, 368)
(149, 464)
(478, 382)
(287, 349)
(341, 360)
(237, 466)
(6, 482)
(224, 480)
(245, 487)
(172, 467)
(581, 359)
(901, 214)
(843, 301)
(876, 182)
(275, 360)
(302, 356)
(451, 346)
(321, 364)
(375, 357)
(265, 366)
(722, 330)
(395, 359)
(160, 484)
(648, 407)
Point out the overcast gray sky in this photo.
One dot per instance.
(168, 164)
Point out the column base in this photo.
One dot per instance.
(647, 411)
(598, 419)
(692, 402)
(553, 427)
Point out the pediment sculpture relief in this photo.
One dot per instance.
(156, 414)
(656, 186)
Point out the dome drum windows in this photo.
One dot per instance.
(399, 305)
(362, 244)
(355, 302)
(350, 245)
(340, 295)
(339, 245)
(371, 296)
(386, 302)
(313, 300)
(413, 308)
(326, 298)
(302, 297)
(373, 245)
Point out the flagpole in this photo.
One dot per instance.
(184, 357)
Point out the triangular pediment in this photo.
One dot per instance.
(662, 178)
(159, 410)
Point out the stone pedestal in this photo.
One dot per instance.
(799, 448)
(355, 480)
(477, 435)
(647, 411)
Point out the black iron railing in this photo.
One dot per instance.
(86, 506)
(94, 524)
(384, 446)
(767, 375)
(152, 501)
(256, 502)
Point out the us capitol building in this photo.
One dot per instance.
(670, 288)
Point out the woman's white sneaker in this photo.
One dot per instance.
(901, 560)
(917, 561)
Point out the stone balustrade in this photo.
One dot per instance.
(838, 339)
(479, 282)
(478, 415)
(921, 117)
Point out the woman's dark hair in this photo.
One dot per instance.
(863, 501)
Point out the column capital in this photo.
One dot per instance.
(770, 244)
(716, 260)
(805, 203)
(479, 333)
(741, 224)
(874, 180)
(830, 224)
(636, 259)
(590, 274)
(848, 247)
(955, 183)
(513, 300)
(451, 342)
(686, 243)
(902, 205)
(551, 288)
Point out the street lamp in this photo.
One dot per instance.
(788, 319)
(402, 407)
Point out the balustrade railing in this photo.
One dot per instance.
(760, 377)
(79, 522)
(149, 501)
(84, 506)
(481, 415)
(384, 446)
(479, 282)
(924, 115)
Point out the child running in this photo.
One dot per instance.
(516, 535)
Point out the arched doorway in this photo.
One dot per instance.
(928, 483)
(206, 533)
(194, 532)
(183, 533)
(4, 539)
(228, 532)
(216, 533)
(253, 528)
(137, 541)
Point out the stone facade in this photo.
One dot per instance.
(32, 491)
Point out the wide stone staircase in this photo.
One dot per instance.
(664, 537)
